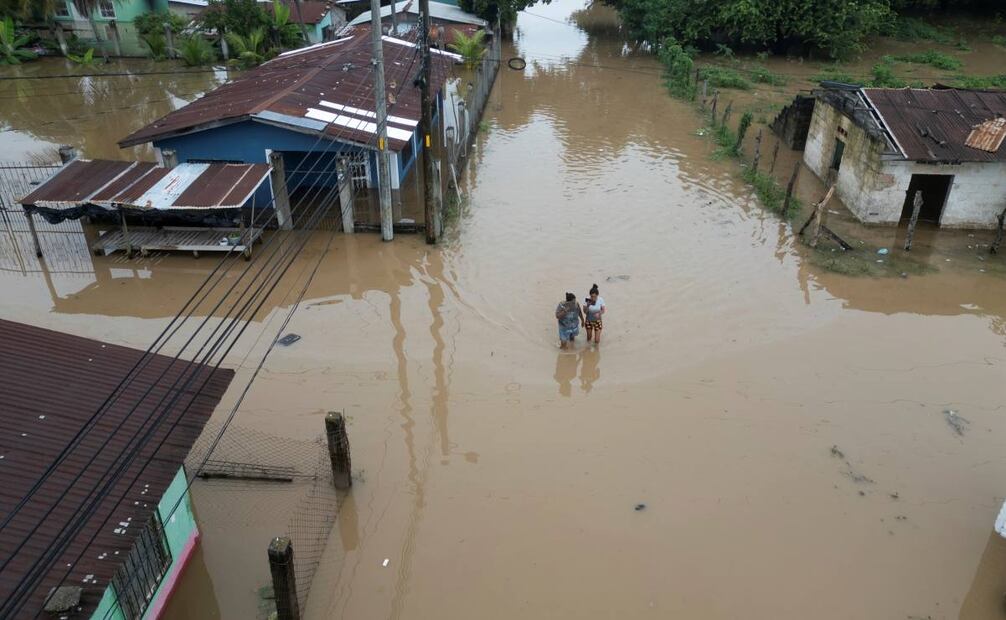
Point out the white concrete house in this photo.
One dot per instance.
(881, 145)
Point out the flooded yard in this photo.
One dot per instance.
(755, 437)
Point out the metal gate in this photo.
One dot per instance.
(63, 244)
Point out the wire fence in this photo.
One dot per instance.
(64, 245)
(252, 461)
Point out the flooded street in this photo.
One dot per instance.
(784, 428)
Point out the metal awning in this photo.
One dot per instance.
(146, 186)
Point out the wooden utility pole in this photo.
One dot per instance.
(818, 218)
(381, 103)
(789, 189)
(999, 233)
(430, 200)
(757, 153)
(916, 207)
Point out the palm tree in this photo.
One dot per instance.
(250, 50)
(285, 33)
(472, 48)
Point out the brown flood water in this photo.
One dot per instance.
(498, 476)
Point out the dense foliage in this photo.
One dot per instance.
(155, 21)
(256, 34)
(13, 45)
(472, 48)
(834, 26)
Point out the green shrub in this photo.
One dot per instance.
(883, 77)
(762, 75)
(13, 46)
(196, 51)
(86, 59)
(836, 74)
(914, 29)
(721, 77)
(157, 45)
(982, 81)
(154, 23)
(678, 68)
(932, 58)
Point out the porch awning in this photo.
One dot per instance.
(146, 186)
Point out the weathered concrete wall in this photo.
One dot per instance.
(874, 189)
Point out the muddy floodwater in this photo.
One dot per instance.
(784, 432)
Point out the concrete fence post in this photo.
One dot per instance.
(284, 579)
(345, 178)
(281, 197)
(338, 449)
(67, 154)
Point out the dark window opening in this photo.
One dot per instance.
(935, 188)
(137, 578)
(836, 157)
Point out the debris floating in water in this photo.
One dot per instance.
(288, 339)
(385, 562)
(640, 507)
(956, 422)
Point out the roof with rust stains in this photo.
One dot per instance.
(934, 125)
(52, 384)
(143, 185)
(325, 89)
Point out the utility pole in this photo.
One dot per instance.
(300, 18)
(394, 20)
(430, 200)
(381, 100)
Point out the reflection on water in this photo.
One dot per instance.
(91, 113)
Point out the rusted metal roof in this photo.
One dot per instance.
(294, 90)
(311, 11)
(141, 185)
(987, 136)
(52, 383)
(934, 125)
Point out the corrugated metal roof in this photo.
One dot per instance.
(987, 136)
(52, 383)
(288, 86)
(933, 125)
(311, 11)
(438, 12)
(141, 185)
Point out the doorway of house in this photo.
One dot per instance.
(935, 188)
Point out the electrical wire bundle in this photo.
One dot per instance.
(208, 345)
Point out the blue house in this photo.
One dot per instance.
(314, 107)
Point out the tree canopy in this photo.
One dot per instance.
(835, 27)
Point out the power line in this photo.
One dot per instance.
(210, 353)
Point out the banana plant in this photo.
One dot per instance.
(248, 50)
(13, 48)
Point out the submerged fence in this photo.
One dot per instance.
(64, 245)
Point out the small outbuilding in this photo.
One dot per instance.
(880, 146)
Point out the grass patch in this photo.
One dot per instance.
(933, 58)
(721, 77)
(762, 75)
(982, 81)
(915, 29)
(836, 74)
(453, 206)
(883, 76)
(863, 261)
(770, 193)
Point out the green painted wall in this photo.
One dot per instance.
(178, 527)
(125, 12)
